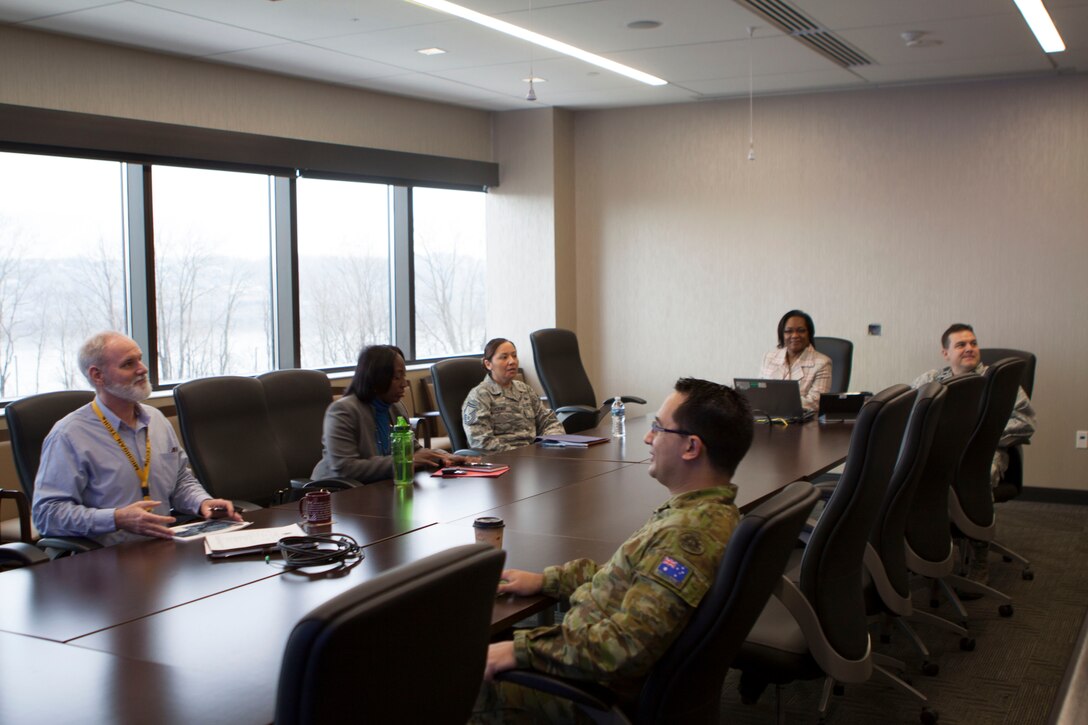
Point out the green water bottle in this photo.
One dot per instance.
(403, 453)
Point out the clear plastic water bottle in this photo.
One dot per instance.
(619, 418)
(403, 453)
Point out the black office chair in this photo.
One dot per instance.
(29, 421)
(18, 554)
(229, 438)
(816, 624)
(929, 551)
(22, 510)
(685, 684)
(887, 591)
(1012, 482)
(563, 377)
(349, 659)
(971, 505)
(841, 353)
(297, 400)
(990, 355)
(232, 444)
(453, 380)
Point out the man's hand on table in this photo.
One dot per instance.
(137, 518)
(521, 583)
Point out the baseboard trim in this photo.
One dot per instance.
(1040, 494)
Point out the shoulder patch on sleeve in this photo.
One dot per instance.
(469, 414)
(692, 544)
(672, 570)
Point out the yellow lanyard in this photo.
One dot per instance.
(144, 472)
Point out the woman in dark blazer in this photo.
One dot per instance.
(355, 441)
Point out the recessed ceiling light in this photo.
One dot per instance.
(644, 24)
(431, 51)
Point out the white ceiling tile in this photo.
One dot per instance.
(17, 11)
(305, 19)
(155, 29)
(306, 61)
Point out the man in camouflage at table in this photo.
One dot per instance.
(959, 347)
(625, 614)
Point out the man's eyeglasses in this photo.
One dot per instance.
(658, 428)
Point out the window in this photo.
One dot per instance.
(213, 247)
(450, 253)
(343, 269)
(251, 271)
(62, 272)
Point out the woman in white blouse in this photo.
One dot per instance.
(796, 359)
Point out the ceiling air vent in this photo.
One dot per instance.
(790, 21)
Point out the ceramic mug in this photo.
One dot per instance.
(316, 507)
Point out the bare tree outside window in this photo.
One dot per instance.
(61, 267)
(212, 272)
(343, 257)
(450, 272)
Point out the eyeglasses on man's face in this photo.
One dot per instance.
(658, 428)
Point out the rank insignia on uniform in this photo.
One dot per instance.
(470, 412)
(673, 570)
(691, 543)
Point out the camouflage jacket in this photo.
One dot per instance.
(498, 419)
(1019, 429)
(626, 613)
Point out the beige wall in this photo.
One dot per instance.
(51, 71)
(530, 228)
(912, 208)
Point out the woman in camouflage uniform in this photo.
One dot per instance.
(503, 413)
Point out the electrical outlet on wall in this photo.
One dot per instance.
(1082, 439)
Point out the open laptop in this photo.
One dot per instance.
(774, 399)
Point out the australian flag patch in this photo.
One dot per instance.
(672, 570)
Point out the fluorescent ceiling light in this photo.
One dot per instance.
(431, 51)
(1040, 23)
(542, 40)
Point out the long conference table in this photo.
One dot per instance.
(155, 631)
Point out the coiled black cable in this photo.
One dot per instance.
(318, 550)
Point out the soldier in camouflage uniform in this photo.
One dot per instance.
(959, 346)
(503, 413)
(625, 614)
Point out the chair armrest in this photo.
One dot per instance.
(576, 409)
(429, 419)
(415, 422)
(19, 553)
(58, 546)
(587, 694)
(22, 506)
(826, 656)
(625, 398)
(332, 484)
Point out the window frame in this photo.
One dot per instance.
(141, 145)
